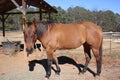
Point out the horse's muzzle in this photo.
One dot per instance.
(29, 50)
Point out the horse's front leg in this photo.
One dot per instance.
(49, 63)
(48, 73)
(51, 57)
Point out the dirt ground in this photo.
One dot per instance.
(16, 67)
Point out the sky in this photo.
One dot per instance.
(113, 5)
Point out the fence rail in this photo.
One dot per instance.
(18, 36)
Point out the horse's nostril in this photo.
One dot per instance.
(29, 50)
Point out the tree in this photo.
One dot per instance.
(108, 20)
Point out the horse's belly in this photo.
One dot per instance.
(70, 44)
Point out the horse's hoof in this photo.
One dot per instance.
(79, 72)
(94, 75)
(97, 74)
(83, 71)
(57, 73)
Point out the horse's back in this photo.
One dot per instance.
(83, 32)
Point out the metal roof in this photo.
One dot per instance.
(7, 5)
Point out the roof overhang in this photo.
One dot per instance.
(7, 5)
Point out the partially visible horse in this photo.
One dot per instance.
(57, 36)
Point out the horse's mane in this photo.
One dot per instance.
(42, 26)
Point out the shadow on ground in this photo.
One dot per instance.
(62, 60)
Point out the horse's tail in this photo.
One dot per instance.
(100, 55)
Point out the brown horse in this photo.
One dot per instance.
(57, 36)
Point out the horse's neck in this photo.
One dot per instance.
(41, 30)
(42, 34)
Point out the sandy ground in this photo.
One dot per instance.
(16, 67)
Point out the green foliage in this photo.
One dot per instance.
(108, 20)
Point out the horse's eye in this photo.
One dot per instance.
(23, 32)
(35, 32)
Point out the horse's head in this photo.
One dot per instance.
(30, 35)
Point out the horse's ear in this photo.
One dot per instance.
(24, 22)
(34, 22)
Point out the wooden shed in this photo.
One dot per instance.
(7, 5)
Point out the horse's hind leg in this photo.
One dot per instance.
(56, 63)
(98, 59)
(87, 56)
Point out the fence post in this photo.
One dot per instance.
(110, 41)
